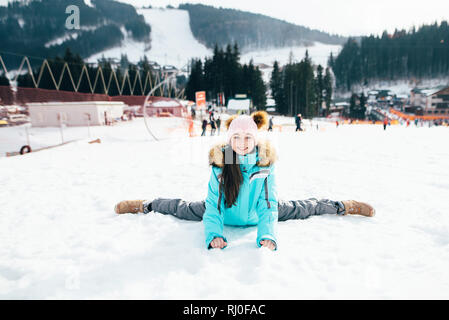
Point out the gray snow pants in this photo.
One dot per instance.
(292, 209)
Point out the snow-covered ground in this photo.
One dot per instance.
(61, 239)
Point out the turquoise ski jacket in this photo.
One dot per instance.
(257, 201)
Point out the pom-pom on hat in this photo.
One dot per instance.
(259, 117)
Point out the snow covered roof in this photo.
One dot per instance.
(239, 104)
(432, 91)
(271, 102)
(427, 91)
(443, 91)
(74, 103)
(171, 103)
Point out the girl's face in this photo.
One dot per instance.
(243, 143)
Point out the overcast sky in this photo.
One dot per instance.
(343, 17)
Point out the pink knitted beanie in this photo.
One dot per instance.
(242, 124)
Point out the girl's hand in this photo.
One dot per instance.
(218, 243)
(268, 243)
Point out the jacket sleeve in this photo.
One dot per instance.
(267, 210)
(212, 219)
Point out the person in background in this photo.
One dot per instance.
(213, 126)
(270, 124)
(218, 122)
(298, 120)
(385, 123)
(204, 126)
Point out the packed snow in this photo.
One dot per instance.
(61, 238)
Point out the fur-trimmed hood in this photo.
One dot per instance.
(266, 153)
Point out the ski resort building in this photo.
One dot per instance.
(438, 103)
(433, 101)
(79, 113)
(239, 104)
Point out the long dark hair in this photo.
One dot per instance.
(231, 176)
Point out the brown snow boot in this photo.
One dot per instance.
(356, 207)
(129, 206)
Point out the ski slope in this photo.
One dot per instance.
(173, 43)
(62, 240)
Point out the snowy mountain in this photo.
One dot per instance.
(111, 28)
(5, 2)
(173, 43)
(39, 29)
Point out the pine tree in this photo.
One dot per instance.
(362, 108)
(319, 87)
(327, 84)
(196, 79)
(353, 113)
(276, 86)
(259, 90)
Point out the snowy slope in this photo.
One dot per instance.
(173, 43)
(319, 53)
(61, 239)
(172, 40)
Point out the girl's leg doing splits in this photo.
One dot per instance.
(287, 210)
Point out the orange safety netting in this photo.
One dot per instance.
(413, 117)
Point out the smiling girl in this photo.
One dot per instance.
(242, 191)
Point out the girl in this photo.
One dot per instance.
(242, 191)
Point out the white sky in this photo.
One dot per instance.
(343, 17)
